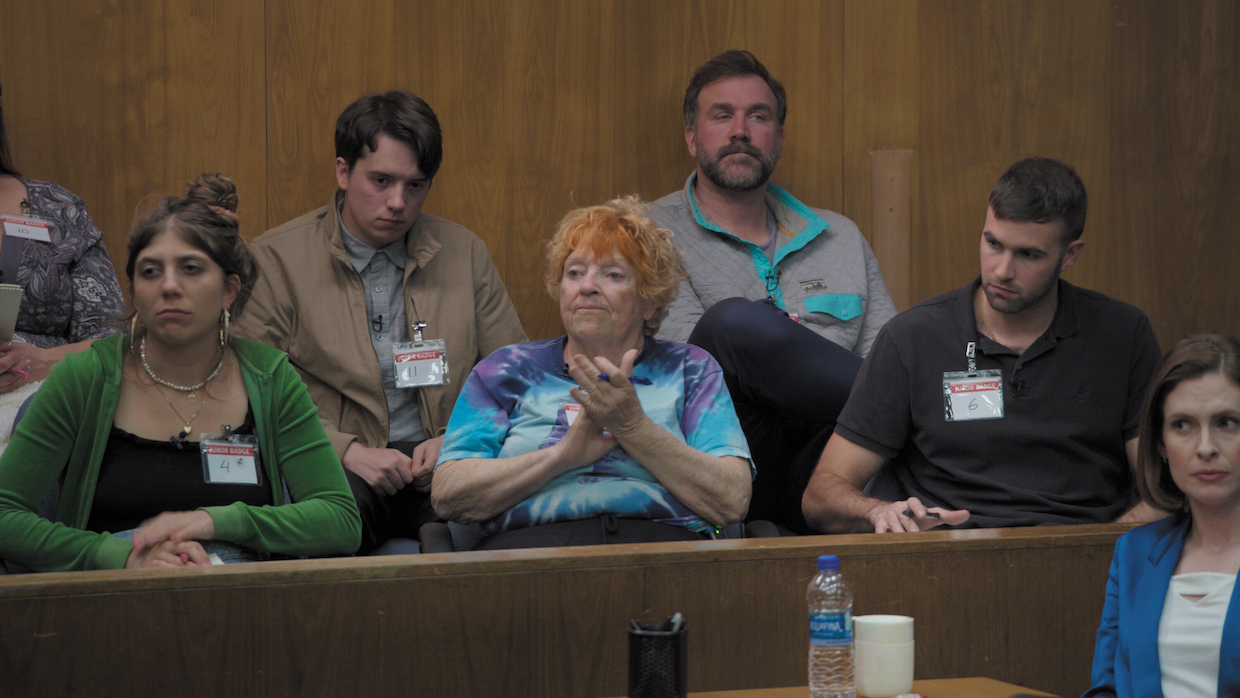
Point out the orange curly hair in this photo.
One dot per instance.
(621, 228)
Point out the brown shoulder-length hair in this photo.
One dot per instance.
(1192, 357)
(206, 217)
(621, 228)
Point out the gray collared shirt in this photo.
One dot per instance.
(383, 276)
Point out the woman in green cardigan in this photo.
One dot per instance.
(176, 440)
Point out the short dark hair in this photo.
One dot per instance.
(1192, 357)
(206, 217)
(1041, 190)
(396, 114)
(6, 160)
(732, 64)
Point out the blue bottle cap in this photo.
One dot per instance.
(828, 562)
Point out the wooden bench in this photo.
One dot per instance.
(1018, 605)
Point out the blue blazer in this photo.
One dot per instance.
(1126, 653)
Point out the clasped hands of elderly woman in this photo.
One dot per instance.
(612, 410)
(612, 405)
(606, 394)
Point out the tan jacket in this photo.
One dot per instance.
(309, 302)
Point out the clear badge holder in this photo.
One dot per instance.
(972, 394)
(230, 459)
(421, 362)
(969, 395)
(28, 227)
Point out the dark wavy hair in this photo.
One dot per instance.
(206, 217)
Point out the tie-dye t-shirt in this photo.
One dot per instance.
(513, 403)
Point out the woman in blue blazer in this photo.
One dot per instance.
(1188, 464)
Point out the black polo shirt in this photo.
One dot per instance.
(1071, 402)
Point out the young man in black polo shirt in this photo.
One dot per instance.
(1012, 401)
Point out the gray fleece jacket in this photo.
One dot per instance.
(823, 270)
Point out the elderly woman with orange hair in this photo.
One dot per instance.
(605, 434)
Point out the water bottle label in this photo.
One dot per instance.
(830, 629)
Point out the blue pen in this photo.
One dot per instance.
(635, 379)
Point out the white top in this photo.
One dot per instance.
(1190, 633)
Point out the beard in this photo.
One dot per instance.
(738, 178)
(1027, 299)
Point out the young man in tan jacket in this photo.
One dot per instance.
(373, 300)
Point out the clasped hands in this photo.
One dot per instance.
(171, 540)
(390, 471)
(610, 408)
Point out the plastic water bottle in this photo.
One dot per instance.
(830, 632)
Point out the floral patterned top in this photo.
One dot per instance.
(70, 291)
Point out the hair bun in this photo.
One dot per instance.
(215, 191)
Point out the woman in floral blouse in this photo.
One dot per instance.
(69, 288)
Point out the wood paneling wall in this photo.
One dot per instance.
(121, 101)
(547, 104)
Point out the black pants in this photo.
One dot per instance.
(396, 516)
(789, 385)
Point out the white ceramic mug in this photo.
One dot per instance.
(883, 655)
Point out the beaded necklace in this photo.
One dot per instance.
(180, 388)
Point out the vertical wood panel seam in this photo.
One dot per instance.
(845, 106)
(266, 125)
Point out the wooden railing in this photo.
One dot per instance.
(1019, 605)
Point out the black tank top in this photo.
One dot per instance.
(141, 478)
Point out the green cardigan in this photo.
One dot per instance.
(64, 433)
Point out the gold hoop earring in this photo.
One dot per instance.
(224, 320)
